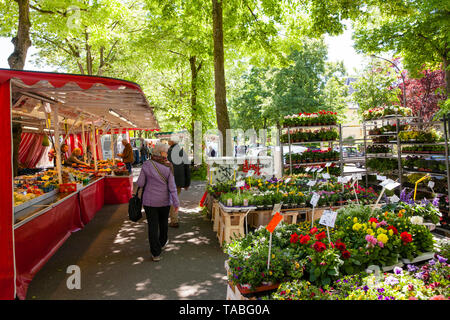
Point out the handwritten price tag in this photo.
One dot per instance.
(315, 199)
(328, 218)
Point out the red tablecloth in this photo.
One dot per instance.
(92, 200)
(118, 190)
(37, 240)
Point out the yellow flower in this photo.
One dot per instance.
(383, 238)
(374, 225)
(370, 231)
(288, 291)
(270, 273)
(273, 256)
(391, 233)
(355, 220)
(297, 265)
(356, 227)
(364, 226)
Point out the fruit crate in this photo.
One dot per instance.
(34, 201)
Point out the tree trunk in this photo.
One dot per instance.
(22, 41)
(223, 121)
(194, 88)
(447, 75)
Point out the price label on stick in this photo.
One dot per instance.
(240, 184)
(276, 208)
(287, 180)
(326, 176)
(250, 173)
(384, 183)
(392, 185)
(394, 199)
(431, 185)
(307, 169)
(328, 218)
(381, 178)
(274, 222)
(328, 164)
(320, 170)
(311, 183)
(315, 199)
(313, 169)
(359, 176)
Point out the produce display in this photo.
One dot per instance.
(29, 187)
(321, 118)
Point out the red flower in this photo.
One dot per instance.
(313, 230)
(341, 246)
(373, 220)
(319, 246)
(406, 237)
(305, 239)
(294, 238)
(321, 235)
(345, 254)
(394, 229)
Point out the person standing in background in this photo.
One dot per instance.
(127, 154)
(182, 173)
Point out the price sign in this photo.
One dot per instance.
(313, 169)
(311, 183)
(326, 176)
(229, 202)
(320, 170)
(287, 180)
(431, 184)
(250, 173)
(240, 184)
(328, 218)
(328, 164)
(359, 176)
(381, 178)
(276, 208)
(315, 199)
(245, 202)
(392, 185)
(384, 183)
(340, 180)
(394, 199)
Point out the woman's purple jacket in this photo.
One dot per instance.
(157, 193)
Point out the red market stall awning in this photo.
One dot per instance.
(25, 96)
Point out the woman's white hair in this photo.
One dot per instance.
(160, 147)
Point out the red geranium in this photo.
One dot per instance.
(319, 246)
(321, 235)
(294, 238)
(305, 239)
(341, 246)
(394, 229)
(313, 230)
(373, 220)
(345, 254)
(406, 237)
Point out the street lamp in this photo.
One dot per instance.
(401, 73)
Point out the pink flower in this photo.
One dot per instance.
(439, 297)
(380, 244)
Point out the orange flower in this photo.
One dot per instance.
(400, 215)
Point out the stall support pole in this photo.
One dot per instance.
(57, 145)
(112, 148)
(94, 146)
(83, 141)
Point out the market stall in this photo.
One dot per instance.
(42, 208)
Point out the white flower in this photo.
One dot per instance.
(416, 220)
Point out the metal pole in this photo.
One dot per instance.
(290, 156)
(94, 146)
(446, 157)
(83, 141)
(341, 153)
(365, 153)
(399, 153)
(57, 144)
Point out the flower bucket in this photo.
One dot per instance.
(246, 288)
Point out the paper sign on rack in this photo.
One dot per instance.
(394, 199)
(326, 176)
(276, 208)
(320, 170)
(287, 180)
(240, 184)
(328, 164)
(431, 184)
(307, 169)
(381, 178)
(392, 185)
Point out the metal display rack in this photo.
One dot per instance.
(399, 154)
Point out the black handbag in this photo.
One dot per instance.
(135, 206)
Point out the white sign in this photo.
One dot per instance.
(307, 169)
(287, 180)
(311, 183)
(276, 208)
(250, 173)
(315, 199)
(229, 202)
(359, 176)
(326, 176)
(240, 184)
(392, 185)
(245, 202)
(394, 199)
(313, 169)
(320, 170)
(384, 183)
(431, 184)
(381, 178)
(328, 218)
(328, 164)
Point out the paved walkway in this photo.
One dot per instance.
(114, 257)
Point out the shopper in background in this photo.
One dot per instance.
(182, 173)
(127, 154)
(160, 193)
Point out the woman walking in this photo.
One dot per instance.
(160, 193)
